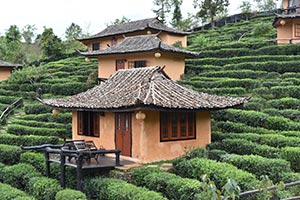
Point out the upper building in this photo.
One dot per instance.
(141, 43)
(6, 69)
(288, 22)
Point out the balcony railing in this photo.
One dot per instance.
(291, 10)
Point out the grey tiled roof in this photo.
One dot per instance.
(7, 64)
(133, 26)
(285, 16)
(142, 43)
(143, 88)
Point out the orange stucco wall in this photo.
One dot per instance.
(146, 145)
(174, 64)
(5, 72)
(286, 32)
(285, 4)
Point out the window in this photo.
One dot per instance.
(114, 41)
(88, 123)
(177, 126)
(96, 46)
(297, 30)
(136, 64)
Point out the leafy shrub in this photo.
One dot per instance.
(292, 154)
(37, 109)
(68, 194)
(7, 99)
(139, 174)
(260, 166)
(285, 103)
(68, 88)
(42, 124)
(49, 117)
(18, 175)
(236, 127)
(216, 154)
(285, 91)
(25, 130)
(10, 193)
(216, 171)
(9, 154)
(43, 188)
(245, 147)
(105, 188)
(28, 140)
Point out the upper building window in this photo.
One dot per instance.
(177, 126)
(88, 123)
(137, 64)
(96, 46)
(114, 41)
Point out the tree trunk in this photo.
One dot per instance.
(212, 22)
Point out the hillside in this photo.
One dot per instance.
(261, 138)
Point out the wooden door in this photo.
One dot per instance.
(123, 133)
(120, 64)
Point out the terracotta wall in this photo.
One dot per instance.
(174, 64)
(146, 145)
(5, 72)
(172, 39)
(287, 31)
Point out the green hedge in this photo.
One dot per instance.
(269, 66)
(257, 119)
(245, 147)
(43, 188)
(287, 113)
(260, 166)
(114, 189)
(228, 126)
(25, 130)
(285, 91)
(8, 192)
(9, 154)
(37, 109)
(33, 123)
(8, 93)
(27, 140)
(274, 140)
(170, 185)
(18, 175)
(68, 88)
(292, 154)
(7, 99)
(68, 194)
(49, 117)
(226, 83)
(216, 171)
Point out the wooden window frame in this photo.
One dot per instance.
(95, 46)
(135, 63)
(92, 119)
(297, 30)
(114, 41)
(170, 131)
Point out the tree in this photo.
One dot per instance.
(28, 32)
(208, 9)
(177, 15)
(245, 7)
(266, 5)
(123, 20)
(11, 47)
(50, 44)
(73, 31)
(162, 10)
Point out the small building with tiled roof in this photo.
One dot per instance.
(288, 23)
(141, 43)
(141, 51)
(6, 69)
(144, 113)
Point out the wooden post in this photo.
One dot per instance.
(62, 170)
(48, 173)
(118, 158)
(79, 172)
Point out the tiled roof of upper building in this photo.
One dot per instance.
(133, 26)
(142, 43)
(143, 88)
